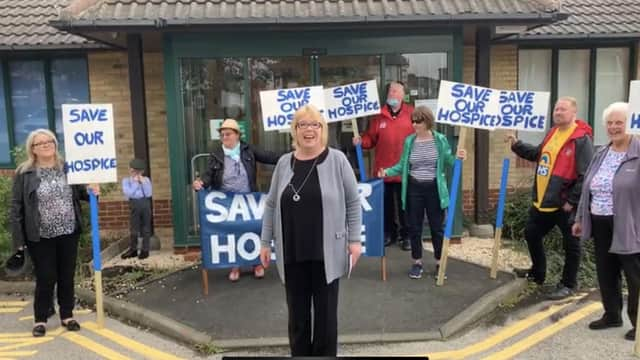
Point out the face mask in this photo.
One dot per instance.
(233, 153)
(393, 102)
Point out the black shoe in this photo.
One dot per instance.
(437, 272)
(405, 245)
(604, 323)
(522, 272)
(129, 254)
(561, 292)
(631, 335)
(143, 255)
(39, 331)
(71, 325)
(388, 241)
(527, 274)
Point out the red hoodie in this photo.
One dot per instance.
(572, 161)
(387, 135)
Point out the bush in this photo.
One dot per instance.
(5, 225)
(516, 212)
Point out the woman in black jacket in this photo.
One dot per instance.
(46, 218)
(232, 168)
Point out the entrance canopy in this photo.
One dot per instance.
(105, 18)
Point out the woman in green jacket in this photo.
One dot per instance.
(425, 157)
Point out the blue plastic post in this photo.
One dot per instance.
(363, 174)
(95, 231)
(503, 193)
(453, 198)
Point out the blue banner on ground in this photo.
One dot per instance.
(230, 225)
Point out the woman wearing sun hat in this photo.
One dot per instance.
(232, 168)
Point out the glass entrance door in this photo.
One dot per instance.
(342, 70)
(212, 89)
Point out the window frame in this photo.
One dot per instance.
(593, 49)
(47, 59)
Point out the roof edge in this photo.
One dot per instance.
(159, 23)
(570, 37)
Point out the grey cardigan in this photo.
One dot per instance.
(341, 211)
(626, 200)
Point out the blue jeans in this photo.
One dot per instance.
(423, 197)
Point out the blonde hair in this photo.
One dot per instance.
(309, 112)
(617, 107)
(571, 100)
(31, 157)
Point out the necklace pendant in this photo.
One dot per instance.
(296, 197)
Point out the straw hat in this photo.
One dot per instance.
(230, 124)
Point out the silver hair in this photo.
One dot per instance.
(617, 107)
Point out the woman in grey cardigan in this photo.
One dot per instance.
(313, 215)
(608, 210)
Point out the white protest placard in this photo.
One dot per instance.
(430, 103)
(351, 101)
(522, 110)
(214, 125)
(89, 143)
(278, 106)
(485, 108)
(466, 105)
(633, 123)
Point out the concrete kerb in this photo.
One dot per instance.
(185, 334)
(483, 306)
(147, 318)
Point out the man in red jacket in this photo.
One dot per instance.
(386, 133)
(562, 159)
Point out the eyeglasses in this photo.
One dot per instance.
(44, 143)
(313, 125)
(417, 121)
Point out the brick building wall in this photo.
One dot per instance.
(504, 75)
(109, 83)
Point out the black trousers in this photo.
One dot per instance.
(55, 264)
(631, 267)
(139, 222)
(538, 226)
(395, 223)
(305, 283)
(423, 197)
(608, 267)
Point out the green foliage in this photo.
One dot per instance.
(19, 154)
(208, 349)
(516, 212)
(5, 203)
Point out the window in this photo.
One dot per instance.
(28, 98)
(573, 78)
(612, 84)
(594, 85)
(5, 156)
(534, 73)
(31, 94)
(70, 83)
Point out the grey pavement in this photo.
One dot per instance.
(15, 330)
(573, 342)
(254, 309)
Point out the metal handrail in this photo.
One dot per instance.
(194, 195)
